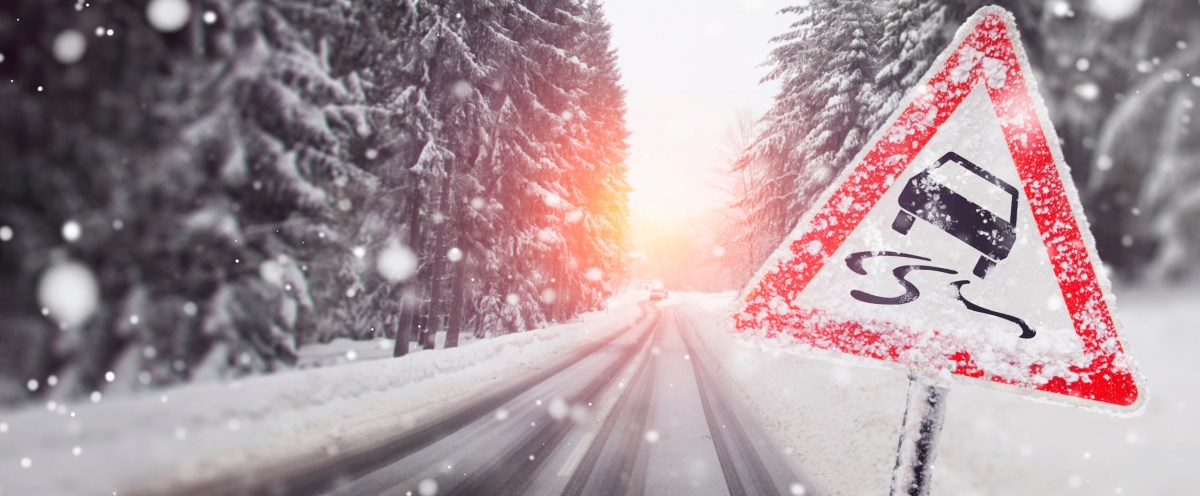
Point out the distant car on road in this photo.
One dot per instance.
(658, 294)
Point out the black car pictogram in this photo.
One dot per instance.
(990, 234)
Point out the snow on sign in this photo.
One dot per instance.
(955, 243)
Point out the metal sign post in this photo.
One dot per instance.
(923, 415)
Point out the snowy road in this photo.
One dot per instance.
(636, 413)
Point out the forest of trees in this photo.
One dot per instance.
(1120, 78)
(231, 180)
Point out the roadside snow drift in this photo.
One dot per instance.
(176, 438)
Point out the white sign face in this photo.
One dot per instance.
(955, 243)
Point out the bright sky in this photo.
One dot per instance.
(688, 66)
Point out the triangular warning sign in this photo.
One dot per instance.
(955, 243)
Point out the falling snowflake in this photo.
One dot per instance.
(168, 16)
(396, 262)
(427, 487)
(1075, 482)
(68, 292)
(1061, 8)
(71, 231)
(1087, 91)
(272, 272)
(1114, 10)
(69, 46)
(461, 90)
(558, 409)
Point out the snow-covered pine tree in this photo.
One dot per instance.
(602, 234)
(482, 47)
(397, 54)
(738, 242)
(522, 175)
(291, 199)
(846, 55)
(262, 157)
(142, 143)
(912, 33)
(825, 66)
(1127, 115)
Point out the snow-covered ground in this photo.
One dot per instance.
(842, 422)
(341, 351)
(144, 443)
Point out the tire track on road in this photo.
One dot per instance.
(626, 474)
(327, 477)
(740, 455)
(500, 478)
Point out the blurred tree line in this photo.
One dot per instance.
(234, 179)
(1120, 78)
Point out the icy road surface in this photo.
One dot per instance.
(639, 413)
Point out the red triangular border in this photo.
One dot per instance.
(1108, 379)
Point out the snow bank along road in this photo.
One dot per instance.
(637, 412)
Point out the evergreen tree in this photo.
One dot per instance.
(256, 164)
(912, 34)
(825, 65)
